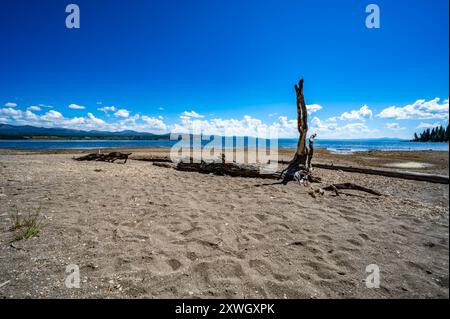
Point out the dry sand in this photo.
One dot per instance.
(138, 230)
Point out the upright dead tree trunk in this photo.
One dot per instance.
(299, 167)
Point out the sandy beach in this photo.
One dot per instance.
(142, 231)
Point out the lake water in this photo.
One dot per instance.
(339, 146)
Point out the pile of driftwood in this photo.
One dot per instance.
(253, 171)
(299, 168)
(110, 157)
(239, 170)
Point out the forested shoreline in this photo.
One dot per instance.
(437, 134)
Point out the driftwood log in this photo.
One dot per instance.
(415, 176)
(110, 157)
(224, 168)
(253, 171)
(337, 187)
(154, 159)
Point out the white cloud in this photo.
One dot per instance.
(357, 115)
(313, 108)
(154, 123)
(428, 125)
(53, 118)
(247, 126)
(33, 108)
(324, 126)
(76, 107)
(107, 109)
(94, 120)
(51, 115)
(330, 129)
(394, 126)
(421, 109)
(161, 108)
(10, 112)
(122, 113)
(192, 114)
(191, 121)
(10, 104)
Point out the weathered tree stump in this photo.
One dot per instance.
(299, 168)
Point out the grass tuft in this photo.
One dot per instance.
(25, 227)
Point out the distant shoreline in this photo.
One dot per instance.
(163, 149)
(335, 146)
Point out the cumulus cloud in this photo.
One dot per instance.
(107, 109)
(95, 120)
(191, 121)
(421, 110)
(122, 113)
(247, 126)
(357, 115)
(33, 108)
(324, 126)
(192, 114)
(330, 129)
(428, 125)
(54, 118)
(76, 107)
(313, 108)
(155, 123)
(10, 104)
(394, 126)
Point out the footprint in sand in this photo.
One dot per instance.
(175, 264)
(364, 236)
(218, 270)
(261, 217)
(258, 236)
(355, 242)
(260, 266)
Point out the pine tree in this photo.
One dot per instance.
(437, 134)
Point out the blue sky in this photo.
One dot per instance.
(170, 65)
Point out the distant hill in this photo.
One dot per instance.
(32, 132)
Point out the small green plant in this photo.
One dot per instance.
(16, 221)
(25, 227)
